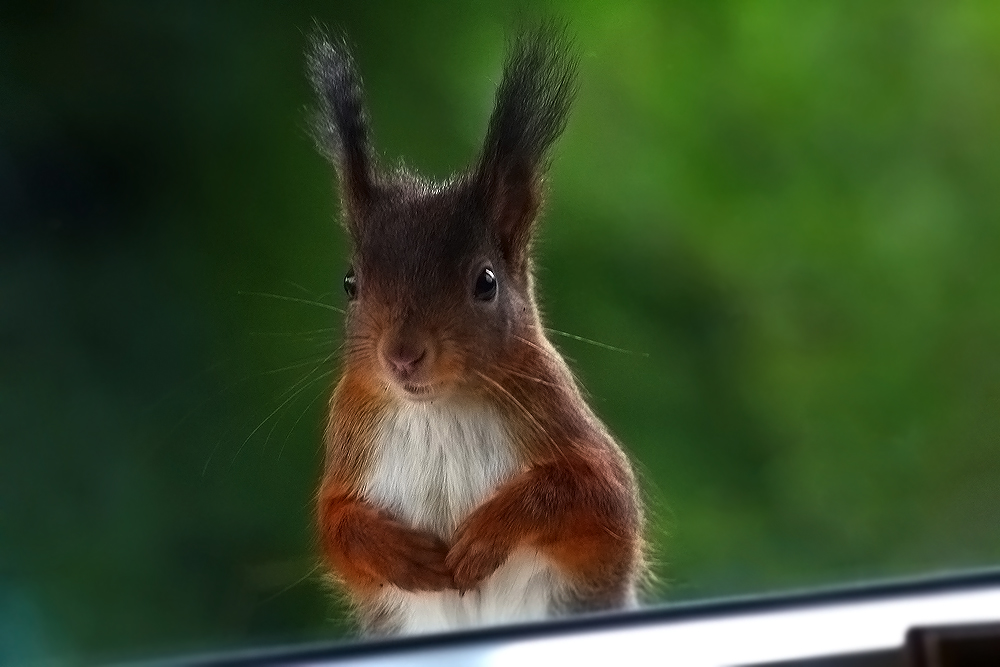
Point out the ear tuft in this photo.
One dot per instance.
(340, 125)
(531, 110)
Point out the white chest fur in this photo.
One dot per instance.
(434, 463)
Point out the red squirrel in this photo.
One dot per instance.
(466, 482)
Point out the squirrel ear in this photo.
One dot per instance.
(340, 125)
(532, 104)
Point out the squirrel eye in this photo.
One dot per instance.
(351, 285)
(486, 285)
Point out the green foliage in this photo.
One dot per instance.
(785, 211)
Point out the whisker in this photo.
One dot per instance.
(277, 421)
(309, 332)
(292, 585)
(547, 352)
(204, 468)
(305, 362)
(318, 297)
(275, 411)
(512, 371)
(596, 343)
(293, 299)
(301, 415)
(520, 405)
(532, 344)
(235, 383)
(283, 404)
(297, 286)
(306, 377)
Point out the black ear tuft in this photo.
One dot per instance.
(341, 125)
(532, 105)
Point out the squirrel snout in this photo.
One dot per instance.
(405, 358)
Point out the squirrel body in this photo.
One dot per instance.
(466, 482)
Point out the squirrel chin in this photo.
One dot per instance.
(419, 393)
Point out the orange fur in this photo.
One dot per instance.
(369, 549)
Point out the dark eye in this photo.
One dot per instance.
(351, 285)
(486, 285)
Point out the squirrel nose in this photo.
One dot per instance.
(404, 359)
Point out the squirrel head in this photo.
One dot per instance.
(439, 287)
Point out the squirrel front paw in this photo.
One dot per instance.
(414, 560)
(475, 554)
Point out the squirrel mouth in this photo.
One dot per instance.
(418, 390)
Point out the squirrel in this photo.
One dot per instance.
(466, 481)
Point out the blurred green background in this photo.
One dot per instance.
(787, 212)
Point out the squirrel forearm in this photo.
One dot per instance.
(368, 548)
(579, 512)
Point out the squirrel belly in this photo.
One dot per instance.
(433, 463)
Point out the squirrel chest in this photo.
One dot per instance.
(433, 464)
